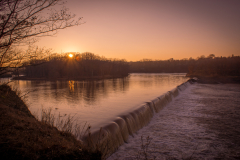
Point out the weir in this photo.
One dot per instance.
(114, 134)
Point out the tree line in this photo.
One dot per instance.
(91, 65)
(160, 66)
(201, 66)
(215, 66)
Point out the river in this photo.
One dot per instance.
(96, 102)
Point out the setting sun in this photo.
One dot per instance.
(70, 55)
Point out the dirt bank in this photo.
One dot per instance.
(22, 136)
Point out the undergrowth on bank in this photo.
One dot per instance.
(68, 124)
(65, 123)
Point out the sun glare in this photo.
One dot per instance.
(70, 55)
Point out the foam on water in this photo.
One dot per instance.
(200, 123)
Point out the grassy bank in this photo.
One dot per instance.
(22, 136)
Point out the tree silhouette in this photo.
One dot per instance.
(80, 66)
(22, 21)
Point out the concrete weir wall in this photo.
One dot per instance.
(111, 136)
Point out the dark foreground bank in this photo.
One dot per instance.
(22, 136)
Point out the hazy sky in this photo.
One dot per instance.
(152, 29)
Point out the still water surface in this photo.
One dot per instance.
(97, 102)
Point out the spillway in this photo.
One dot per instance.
(114, 134)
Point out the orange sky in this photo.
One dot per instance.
(152, 29)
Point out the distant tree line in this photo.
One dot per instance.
(78, 66)
(91, 65)
(160, 66)
(201, 66)
(215, 66)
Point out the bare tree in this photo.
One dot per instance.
(22, 21)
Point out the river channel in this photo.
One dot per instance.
(96, 102)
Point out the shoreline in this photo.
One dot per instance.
(203, 79)
(91, 78)
(218, 80)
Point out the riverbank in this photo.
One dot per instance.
(201, 123)
(221, 79)
(215, 79)
(22, 136)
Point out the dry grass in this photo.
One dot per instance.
(64, 123)
(68, 124)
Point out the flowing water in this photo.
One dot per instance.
(202, 122)
(96, 102)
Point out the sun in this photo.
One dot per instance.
(70, 55)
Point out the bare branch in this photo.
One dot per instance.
(24, 20)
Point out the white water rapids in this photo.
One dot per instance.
(190, 127)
